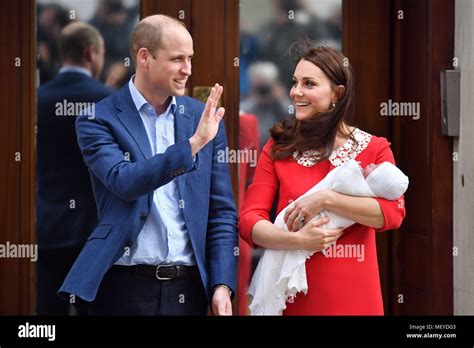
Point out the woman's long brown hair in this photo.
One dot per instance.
(319, 131)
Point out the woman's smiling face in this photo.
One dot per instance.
(312, 92)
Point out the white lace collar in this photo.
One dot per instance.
(341, 155)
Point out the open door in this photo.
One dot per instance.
(397, 49)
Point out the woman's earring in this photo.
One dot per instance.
(333, 104)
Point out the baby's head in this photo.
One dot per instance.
(385, 180)
(369, 169)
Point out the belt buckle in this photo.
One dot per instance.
(158, 271)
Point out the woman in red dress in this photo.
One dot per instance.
(301, 152)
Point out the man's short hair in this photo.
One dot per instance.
(75, 38)
(149, 36)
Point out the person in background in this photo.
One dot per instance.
(65, 207)
(292, 22)
(115, 21)
(249, 136)
(117, 75)
(52, 18)
(268, 99)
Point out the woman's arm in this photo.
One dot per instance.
(310, 237)
(379, 213)
(363, 210)
(254, 225)
(259, 196)
(267, 235)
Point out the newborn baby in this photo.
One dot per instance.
(385, 180)
(281, 274)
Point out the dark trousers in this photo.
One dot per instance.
(124, 292)
(52, 267)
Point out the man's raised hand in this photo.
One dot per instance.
(209, 123)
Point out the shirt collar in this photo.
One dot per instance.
(76, 69)
(139, 100)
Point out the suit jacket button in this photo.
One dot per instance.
(143, 216)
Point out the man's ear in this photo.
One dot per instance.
(143, 57)
(88, 52)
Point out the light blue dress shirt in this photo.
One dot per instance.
(164, 238)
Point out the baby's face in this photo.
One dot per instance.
(369, 169)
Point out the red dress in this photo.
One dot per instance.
(343, 284)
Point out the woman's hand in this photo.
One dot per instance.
(313, 237)
(304, 209)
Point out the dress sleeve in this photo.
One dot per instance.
(260, 195)
(393, 211)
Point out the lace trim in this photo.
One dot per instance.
(343, 153)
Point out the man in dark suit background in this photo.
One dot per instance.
(65, 207)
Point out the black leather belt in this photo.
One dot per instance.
(161, 272)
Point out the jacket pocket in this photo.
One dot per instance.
(100, 232)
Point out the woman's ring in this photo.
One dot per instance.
(302, 220)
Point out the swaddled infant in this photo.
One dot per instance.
(385, 180)
(281, 274)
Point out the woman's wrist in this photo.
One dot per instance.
(328, 199)
(293, 241)
(269, 236)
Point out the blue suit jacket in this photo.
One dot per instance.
(61, 173)
(124, 191)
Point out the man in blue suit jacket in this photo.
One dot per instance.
(66, 212)
(166, 242)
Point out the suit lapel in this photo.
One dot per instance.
(129, 116)
(183, 121)
(131, 119)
